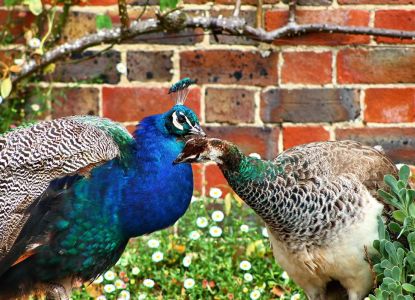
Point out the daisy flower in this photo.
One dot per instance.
(255, 155)
(244, 228)
(99, 279)
(102, 297)
(215, 231)
(215, 193)
(124, 295)
(248, 277)
(157, 256)
(135, 270)
(121, 68)
(142, 296)
(298, 297)
(35, 107)
(201, 222)
(188, 283)
(109, 275)
(218, 216)
(265, 232)
(153, 243)
(109, 288)
(285, 276)
(194, 235)
(119, 284)
(34, 43)
(148, 283)
(255, 294)
(187, 260)
(245, 265)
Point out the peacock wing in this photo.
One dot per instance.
(332, 159)
(31, 157)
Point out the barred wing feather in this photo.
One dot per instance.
(33, 156)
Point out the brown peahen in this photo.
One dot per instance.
(319, 202)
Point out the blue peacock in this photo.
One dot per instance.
(74, 190)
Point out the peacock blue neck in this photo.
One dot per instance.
(158, 192)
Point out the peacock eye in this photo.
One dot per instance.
(181, 118)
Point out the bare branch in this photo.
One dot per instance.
(237, 8)
(122, 11)
(292, 5)
(259, 14)
(232, 25)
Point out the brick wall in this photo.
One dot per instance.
(265, 98)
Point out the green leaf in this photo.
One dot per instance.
(396, 273)
(9, 3)
(399, 215)
(404, 173)
(168, 4)
(389, 198)
(409, 288)
(392, 183)
(228, 203)
(103, 22)
(411, 240)
(381, 229)
(6, 87)
(394, 227)
(35, 6)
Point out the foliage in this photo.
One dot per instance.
(211, 253)
(395, 262)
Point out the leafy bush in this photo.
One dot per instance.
(395, 264)
(214, 252)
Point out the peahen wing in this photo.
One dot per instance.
(33, 156)
(332, 159)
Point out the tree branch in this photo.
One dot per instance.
(292, 5)
(237, 8)
(232, 25)
(123, 13)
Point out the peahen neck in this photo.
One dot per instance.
(158, 192)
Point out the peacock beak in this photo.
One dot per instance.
(197, 130)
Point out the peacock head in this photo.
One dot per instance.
(199, 150)
(181, 122)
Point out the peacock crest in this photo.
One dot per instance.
(181, 89)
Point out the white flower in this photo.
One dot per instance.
(135, 270)
(298, 297)
(285, 276)
(217, 216)
(34, 43)
(245, 265)
(188, 283)
(124, 295)
(215, 231)
(1, 99)
(109, 275)
(244, 228)
(121, 68)
(109, 288)
(194, 235)
(153, 243)
(119, 284)
(35, 107)
(255, 294)
(265, 232)
(157, 256)
(148, 283)
(255, 155)
(194, 199)
(248, 277)
(19, 62)
(215, 193)
(142, 296)
(99, 279)
(187, 260)
(102, 297)
(201, 222)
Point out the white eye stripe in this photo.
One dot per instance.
(188, 122)
(176, 122)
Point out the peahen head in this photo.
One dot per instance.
(181, 121)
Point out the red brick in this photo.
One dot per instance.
(8, 56)
(390, 105)
(21, 22)
(229, 105)
(230, 66)
(298, 135)
(311, 2)
(278, 18)
(131, 104)
(198, 170)
(390, 65)
(309, 105)
(261, 140)
(307, 67)
(149, 65)
(214, 178)
(75, 101)
(376, 1)
(78, 25)
(395, 19)
(398, 143)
